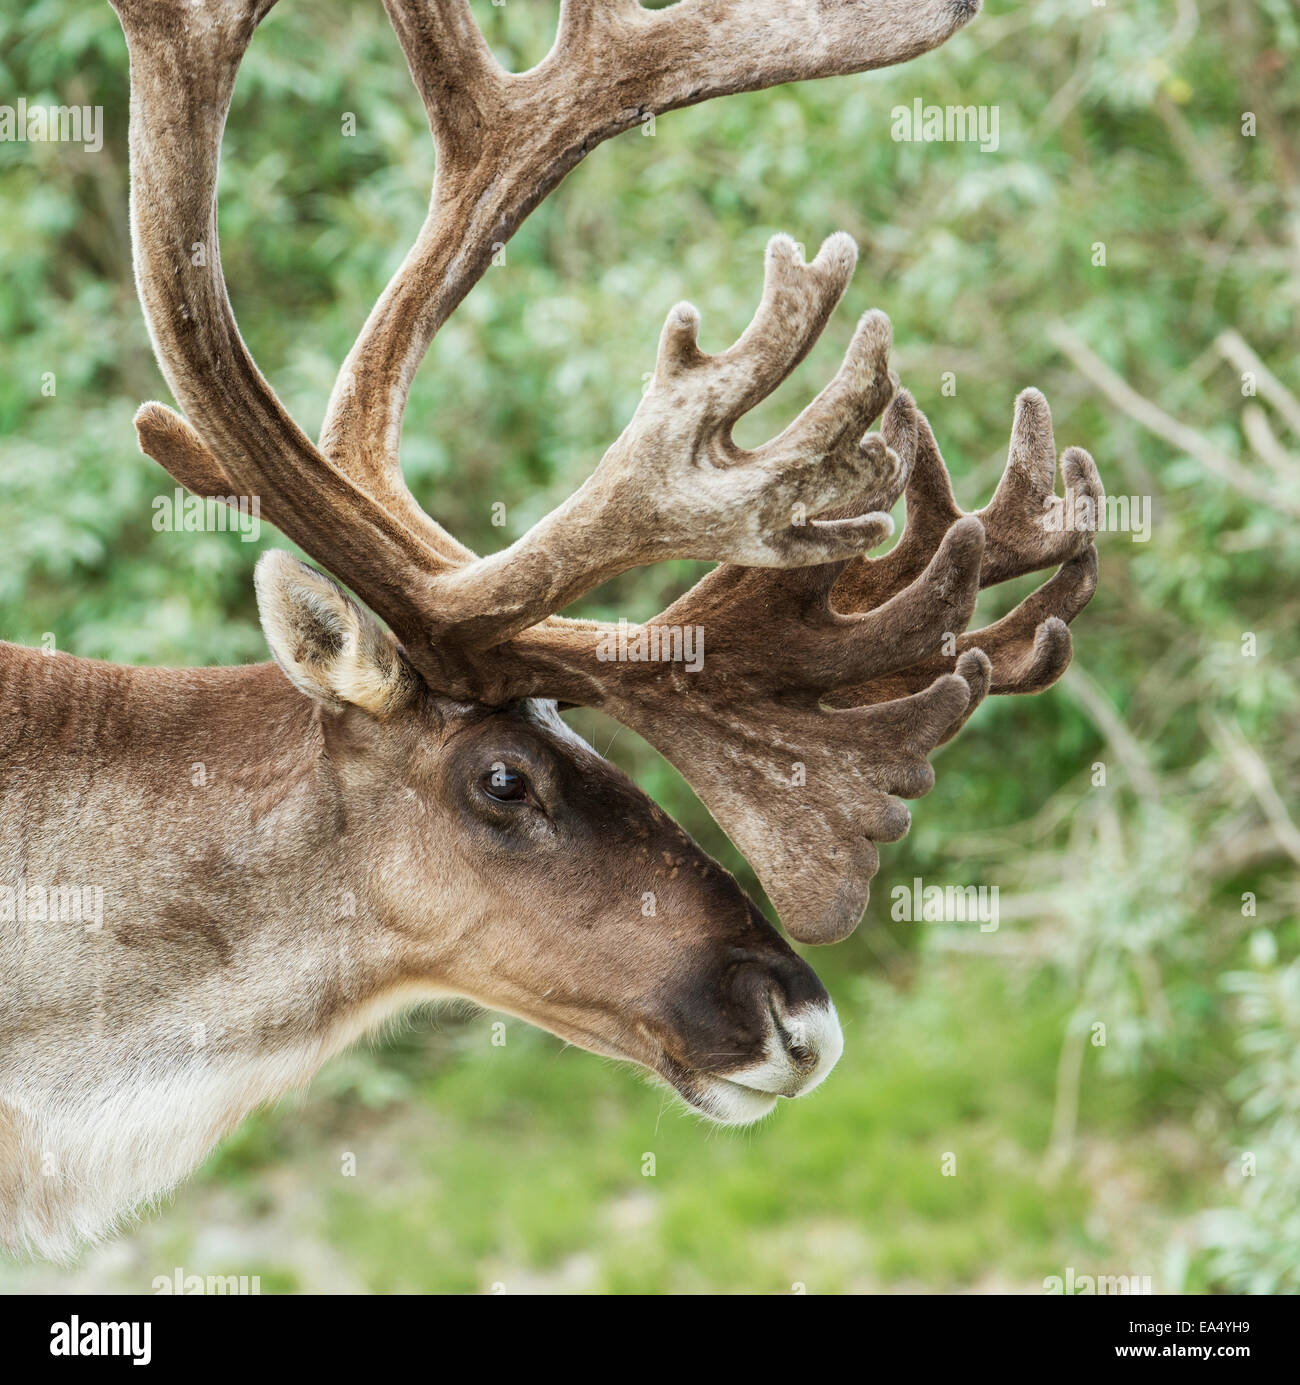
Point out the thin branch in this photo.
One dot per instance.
(1248, 763)
(1108, 721)
(1152, 417)
(1264, 442)
(1236, 350)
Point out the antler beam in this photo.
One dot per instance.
(506, 140)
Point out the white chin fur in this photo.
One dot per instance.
(729, 1103)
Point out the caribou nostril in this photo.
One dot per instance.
(802, 1057)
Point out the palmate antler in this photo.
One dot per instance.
(824, 689)
(827, 680)
(853, 672)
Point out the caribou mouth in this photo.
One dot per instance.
(719, 1098)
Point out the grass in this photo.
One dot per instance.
(536, 1167)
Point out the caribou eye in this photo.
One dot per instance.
(505, 785)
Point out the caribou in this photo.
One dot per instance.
(392, 809)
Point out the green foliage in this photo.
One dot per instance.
(1122, 902)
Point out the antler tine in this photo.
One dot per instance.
(1029, 648)
(470, 101)
(454, 71)
(796, 305)
(698, 49)
(675, 485)
(1030, 527)
(1027, 527)
(834, 651)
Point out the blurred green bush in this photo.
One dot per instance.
(1160, 903)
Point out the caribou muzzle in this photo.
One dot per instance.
(752, 1027)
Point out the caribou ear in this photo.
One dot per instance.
(328, 646)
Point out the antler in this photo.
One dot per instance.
(878, 641)
(675, 485)
(504, 140)
(1027, 527)
(828, 680)
(824, 690)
